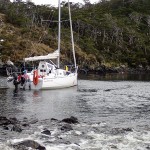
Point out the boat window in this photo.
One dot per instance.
(41, 70)
(42, 66)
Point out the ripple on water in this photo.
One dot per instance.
(106, 111)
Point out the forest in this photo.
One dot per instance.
(111, 33)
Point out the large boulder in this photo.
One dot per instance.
(4, 121)
(71, 120)
(28, 144)
(66, 127)
(46, 132)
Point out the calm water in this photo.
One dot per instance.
(105, 107)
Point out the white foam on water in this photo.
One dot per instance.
(89, 140)
(61, 147)
(123, 141)
(52, 148)
(13, 141)
(5, 147)
(40, 127)
(78, 132)
(54, 132)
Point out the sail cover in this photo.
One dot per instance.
(53, 55)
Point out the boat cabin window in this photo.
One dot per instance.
(43, 66)
(42, 70)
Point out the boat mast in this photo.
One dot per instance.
(59, 34)
(72, 38)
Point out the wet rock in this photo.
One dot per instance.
(20, 147)
(47, 132)
(16, 128)
(29, 144)
(71, 120)
(127, 129)
(5, 128)
(113, 146)
(25, 124)
(66, 127)
(25, 119)
(88, 90)
(116, 131)
(4, 121)
(14, 120)
(107, 90)
(53, 119)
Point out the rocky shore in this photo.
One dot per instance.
(67, 131)
(121, 69)
(102, 69)
(14, 125)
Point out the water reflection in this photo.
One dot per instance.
(10, 102)
(118, 77)
(53, 103)
(40, 104)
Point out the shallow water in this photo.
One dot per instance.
(113, 114)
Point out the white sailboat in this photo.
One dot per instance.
(48, 75)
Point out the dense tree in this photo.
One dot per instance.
(114, 31)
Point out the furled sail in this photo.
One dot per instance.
(53, 55)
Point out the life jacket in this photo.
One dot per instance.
(35, 77)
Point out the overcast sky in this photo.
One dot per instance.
(55, 2)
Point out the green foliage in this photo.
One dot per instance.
(115, 31)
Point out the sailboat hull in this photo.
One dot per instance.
(60, 82)
(48, 82)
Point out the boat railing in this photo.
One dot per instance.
(10, 71)
(71, 68)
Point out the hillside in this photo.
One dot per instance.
(110, 33)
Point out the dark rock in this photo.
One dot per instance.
(4, 121)
(25, 122)
(116, 131)
(20, 147)
(66, 127)
(113, 146)
(5, 128)
(25, 125)
(88, 90)
(127, 129)
(16, 128)
(29, 143)
(13, 120)
(53, 119)
(47, 132)
(107, 90)
(71, 120)
(25, 119)
(67, 142)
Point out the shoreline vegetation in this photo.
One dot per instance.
(110, 36)
(101, 70)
